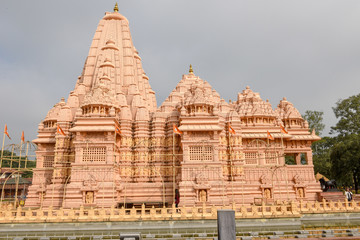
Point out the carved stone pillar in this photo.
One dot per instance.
(298, 158)
(309, 158)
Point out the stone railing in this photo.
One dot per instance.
(293, 209)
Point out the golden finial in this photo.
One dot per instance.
(116, 8)
(191, 70)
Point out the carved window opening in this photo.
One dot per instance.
(94, 154)
(271, 158)
(290, 159)
(93, 109)
(49, 124)
(48, 161)
(201, 153)
(251, 158)
(303, 159)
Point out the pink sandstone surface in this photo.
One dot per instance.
(120, 148)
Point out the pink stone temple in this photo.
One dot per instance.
(110, 145)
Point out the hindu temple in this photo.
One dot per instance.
(109, 144)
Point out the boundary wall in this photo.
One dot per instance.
(287, 210)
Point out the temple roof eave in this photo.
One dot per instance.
(44, 140)
(200, 128)
(93, 129)
(305, 137)
(264, 135)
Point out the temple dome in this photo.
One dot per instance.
(53, 113)
(289, 115)
(249, 103)
(286, 110)
(191, 91)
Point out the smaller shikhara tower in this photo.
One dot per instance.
(109, 144)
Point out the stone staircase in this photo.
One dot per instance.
(332, 196)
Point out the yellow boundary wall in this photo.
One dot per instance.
(293, 210)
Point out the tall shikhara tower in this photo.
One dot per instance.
(109, 144)
(112, 93)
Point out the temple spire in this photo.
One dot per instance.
(191, 69)
(116, 8)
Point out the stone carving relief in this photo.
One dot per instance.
(42, 195)
(287, 110)
(201, 187)
(239, 171)
(249, 103)
(223, 140)
(298, 179)
(89, 184)
(300, 192)
(201, 179)
(299, 186)
(225, 170)
(196, 94)
(202, 195)
(99, 95)
(267, 193)
(264, 179)
(89, 197)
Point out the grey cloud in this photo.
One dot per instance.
(307, 50)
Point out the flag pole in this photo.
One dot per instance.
(231, 165)
(18, 177)
(26, 155)
(2, 151)
(12, 155)
(117, 169)
(286, 172)
(173, 163)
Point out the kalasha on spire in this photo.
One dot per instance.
(116, 8)
(191, 69)
(195, 144)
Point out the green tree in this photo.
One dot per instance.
(321, 148)
(345, 159)
(321, 156)
(348, 112)
(11, 160)
(315, 120)
(345, 154)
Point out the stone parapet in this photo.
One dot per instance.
(90, 214)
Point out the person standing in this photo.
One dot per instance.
(177, 198)
(348, 194)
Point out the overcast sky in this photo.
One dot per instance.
(307, 51)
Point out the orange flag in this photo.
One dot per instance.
(117, 129)
(60, 131)
(269, 136)
(22, 137)
(176, 130)
(6, 132)
(283, 130)
(231, 130)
